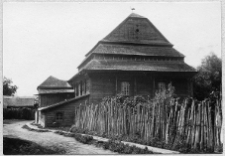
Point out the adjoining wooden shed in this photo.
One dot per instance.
(50, 92)
(134, 59)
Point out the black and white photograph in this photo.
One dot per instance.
(112, 78)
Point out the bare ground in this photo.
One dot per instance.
(50, 140)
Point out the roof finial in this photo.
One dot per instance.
(132, 9)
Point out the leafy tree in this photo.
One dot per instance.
(209, 77)
(8, 88)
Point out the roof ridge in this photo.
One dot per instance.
(136, 15)
(53, 82)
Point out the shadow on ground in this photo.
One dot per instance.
(17, 146)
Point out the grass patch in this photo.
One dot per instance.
(85, 139)
(16, 146)
(112, 145)
(119, 147)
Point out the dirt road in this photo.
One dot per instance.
(51, 140)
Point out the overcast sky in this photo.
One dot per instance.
(49, 38)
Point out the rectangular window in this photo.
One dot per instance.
(161, 86)
(79, 89)
(75, 90)
(83, 88)
(87, 86)
(59, 116)
(125, 88)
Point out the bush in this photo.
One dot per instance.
(19, 113)
(119, 147)
(83, 138)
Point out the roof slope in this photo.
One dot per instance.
(61, 103)
(131, 65)
(52, 82)
(56, 104)
(136, 50)
(136, 29)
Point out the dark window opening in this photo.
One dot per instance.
(125, 88)
(81, 88)
(59, 116)
(161, 86)
(85, 86)
(77, 90)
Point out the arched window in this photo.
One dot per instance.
(125, 88)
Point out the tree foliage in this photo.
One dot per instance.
(209, 77)
(8, 88)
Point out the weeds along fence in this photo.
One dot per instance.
(197, 124)
(19, 113)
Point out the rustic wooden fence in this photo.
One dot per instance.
(199, 123)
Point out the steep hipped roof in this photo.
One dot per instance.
(136, 29)
(52, 82)
(130, 65)
(137, 37)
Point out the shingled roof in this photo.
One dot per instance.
(138, 30)
(52, 82)
(137, 37)
(136, 50)
(130, 65)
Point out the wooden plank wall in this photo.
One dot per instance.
(68, 111)
(48, 99)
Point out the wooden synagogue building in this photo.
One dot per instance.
(134, 59)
